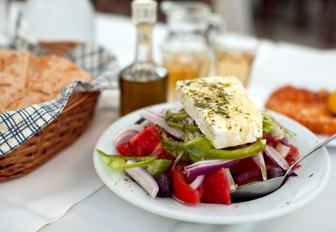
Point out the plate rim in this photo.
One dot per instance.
(206, 220)
(323, 137)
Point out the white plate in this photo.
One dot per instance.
(298, 191)
(324, 137)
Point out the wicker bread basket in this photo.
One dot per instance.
(62, 132)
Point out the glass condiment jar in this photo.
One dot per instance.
(234, 55)
(186, 50)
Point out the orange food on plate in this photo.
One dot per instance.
(332, 102)
(307, 107)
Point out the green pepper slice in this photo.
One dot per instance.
(121, 164)
(185, 127)
(200, 148)
(158, 166)
(176, 116)
(174, 148)
(119, 161)
(269, 123)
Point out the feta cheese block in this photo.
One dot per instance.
(222, 109)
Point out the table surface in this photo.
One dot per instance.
(104, 211)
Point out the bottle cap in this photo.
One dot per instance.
(144, 11)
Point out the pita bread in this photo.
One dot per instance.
(14, 67)
(51, 74)
(30, 97)
(26, 80)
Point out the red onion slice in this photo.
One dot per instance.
(278, 133)
(276, 157)
(158, 120)
(284, 141)
(203, 162)
(233, 186)
(260, 161)
(178, 107)
(160, 113)
(283, 149)
(206, 166)
(197, 182)
(145, 123)
(126, 134)
(144, 179)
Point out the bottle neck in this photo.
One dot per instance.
(144, 43)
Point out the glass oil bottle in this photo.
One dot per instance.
(144, 82)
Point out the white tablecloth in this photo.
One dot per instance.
(276, 64)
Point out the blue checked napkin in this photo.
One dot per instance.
(18, 126)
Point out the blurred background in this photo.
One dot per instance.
(297, 21)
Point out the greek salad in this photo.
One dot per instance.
(172, 153)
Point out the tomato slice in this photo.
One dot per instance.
(144, 143)
(270, 140)
(160, 152)
(216, 188)
(125, 149)
(182, 189)
(293, 156)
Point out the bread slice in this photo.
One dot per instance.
(26, 80)
(14, 67)
(50, 74)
